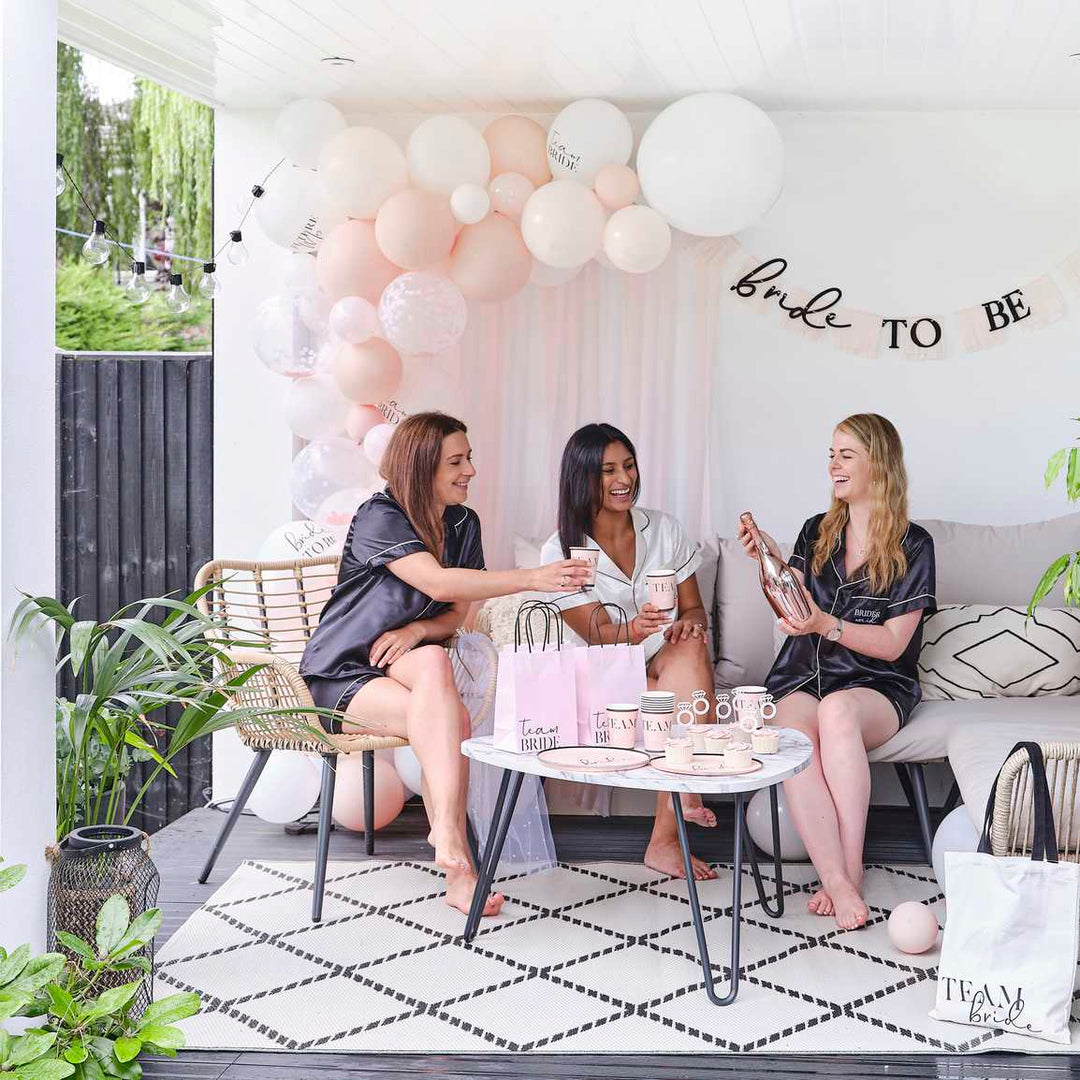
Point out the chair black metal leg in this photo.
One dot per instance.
(905, 782)
(242, 796)
(322, 850)
(367, 761)
(952, 800)
(922, 808)
(695, 904)
(500, 825)
(778, 863)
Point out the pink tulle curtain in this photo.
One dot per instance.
(635, 351)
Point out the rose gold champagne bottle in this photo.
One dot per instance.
(780, 584)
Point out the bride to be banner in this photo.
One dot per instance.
(762, 285)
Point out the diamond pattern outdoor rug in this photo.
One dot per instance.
(597, 958)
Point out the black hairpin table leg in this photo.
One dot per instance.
(500, 825)
(778, 864)
(695, 904)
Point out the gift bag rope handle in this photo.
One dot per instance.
(1044, 837)
(621, 623)
(526, 610)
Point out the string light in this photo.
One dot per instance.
(209, 286)
(137, 290)
(237, 253)
(177, 299)
(96, 249)
(61, 183)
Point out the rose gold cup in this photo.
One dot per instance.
(622, 725)
(592, 557)
(662, 590)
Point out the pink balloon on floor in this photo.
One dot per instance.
(616, 186)
(518, 144)
(360, 420)
(376, 441)
(349, 793)
(490, 260)
(509, 193)
(368, 372)
(913, 927)
(415, 229)
(349, 263)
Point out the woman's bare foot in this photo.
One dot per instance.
(820, 903)
(696, 811)
(665, 857)
(451, 850)
(850, 908)
(460, 886)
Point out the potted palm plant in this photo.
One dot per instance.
(1067, 565)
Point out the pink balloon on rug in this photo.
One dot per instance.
(913, 927)
(368, 372)
(518, 144)
(360, 420)
(616, 186)
(349, 263)
(509, 193)
(348, 808)
(376, 441)
(415, 229)
(490, 260)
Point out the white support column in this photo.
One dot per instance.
(27, 448)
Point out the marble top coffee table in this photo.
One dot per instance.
(794, 755)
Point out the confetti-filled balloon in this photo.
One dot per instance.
(326, 467)
(282, 340)
(422, 313)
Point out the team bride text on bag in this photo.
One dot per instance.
(1008, 957)
(606, 674)
(535, 691)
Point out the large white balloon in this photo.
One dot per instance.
(445, 152)
(563, 224)
(301, 540)
(325, 467)
(290, 210)
(281, 338)
(585, 136)
(288, 788)
(298, 272)
(359, 169)
(955, 833)
(711, 164)
(315, 408)
(637, 239)
(303, 127)
(759, 823)
(422, 313)
(408, 769)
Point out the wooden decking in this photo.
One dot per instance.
(180, 849)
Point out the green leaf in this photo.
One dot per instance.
(163, 1036)
(132, 963)
(62, 1003)
(1047, 582)
(1072, 582)
(5, 1046)
(112, 1000)
(170, 1009)
(112, 923)
(104, 1056)
(1054, 466)
(11, 1005)
(75, 944)
(10, 876)
(13, 965)
(1072, 476)
(90, 1069)
(76, 1053)
(38, 973)
(29, 1046)
(45, 1069)
(141, 931)
(127, 1049)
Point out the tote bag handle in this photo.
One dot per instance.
(1044, 838)
(621, 623)
(550, 611)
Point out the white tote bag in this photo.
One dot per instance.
(606, 675)
(1008, 958)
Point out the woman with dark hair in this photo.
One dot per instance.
(412, 564)
(847, 674)
(598, 489)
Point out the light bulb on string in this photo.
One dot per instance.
(61, 181)
(137, 290)
(245, 202)
(177, 299)
(209, 286)
(96, 248)
(236, 252)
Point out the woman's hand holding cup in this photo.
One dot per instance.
(648, 621)
(567, 575)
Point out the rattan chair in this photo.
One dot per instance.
(1011, 827)
(276, 605)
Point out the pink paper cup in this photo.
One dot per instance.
(622, 725)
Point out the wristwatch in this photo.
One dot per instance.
(836, 631)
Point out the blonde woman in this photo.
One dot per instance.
(847, 675)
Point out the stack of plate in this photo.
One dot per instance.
(658, 701)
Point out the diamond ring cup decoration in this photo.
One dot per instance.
(723, 707)
(753, 706)
(684, 714)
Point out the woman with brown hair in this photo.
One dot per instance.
(413, 562)
(847, 675)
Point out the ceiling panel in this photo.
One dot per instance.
(485, 55)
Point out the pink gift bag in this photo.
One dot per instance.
(535, 696)
(606, 675)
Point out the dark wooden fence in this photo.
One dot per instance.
(135, 503)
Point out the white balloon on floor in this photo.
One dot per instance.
(711, 164)
(325, 467)
(408, 768)
(955, 833)
(587, 135)
(303, 127)
(288, 788)
(759, 823)
(445, 152)
(315, 408)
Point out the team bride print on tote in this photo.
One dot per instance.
(997, 1006)
(534, 736)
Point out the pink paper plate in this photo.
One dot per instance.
(704, 765)
(598, 759)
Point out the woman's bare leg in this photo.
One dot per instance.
(682, 667)
(418, 701)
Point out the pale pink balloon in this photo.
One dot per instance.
(509, 193)
(360, 419)
(637, 239)
(376, 441)
(415, 229)
(348, 807)
(349, 263)
(518, 144)
(368, 372)
(616, 186)
(353, 319)
(913, 927)
(490, 260)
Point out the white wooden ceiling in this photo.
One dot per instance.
(537, 55)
